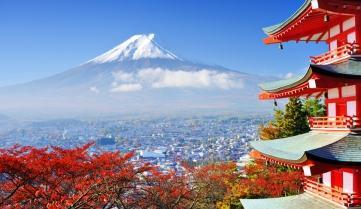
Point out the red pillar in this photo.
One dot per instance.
(357, 185)
(357, 181)
(358, 32)
(358, 100)
(336, 179)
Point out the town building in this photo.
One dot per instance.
(330, 154)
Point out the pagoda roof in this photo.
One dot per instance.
(331, 147)
(301, 201)
(346, 150)
(280, 85)
(350, 69)
(305, 24)
(293, 149)
(270, 30)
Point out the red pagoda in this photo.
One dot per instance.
(330, 154)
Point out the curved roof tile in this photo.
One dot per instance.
(293, 149)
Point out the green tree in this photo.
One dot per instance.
(273, 129)
(295, 119)
(314, 107)
(291, 122)
(278, 118)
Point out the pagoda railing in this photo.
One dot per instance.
(337, 123)
(338, 54)
(334, 194)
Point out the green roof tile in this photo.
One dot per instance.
(346, 150)
(293, 148)
(275, 28)
(349, 69)
(275, 85)
(302, 201)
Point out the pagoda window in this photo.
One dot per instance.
(351, 38)
(333, 93)
(331, 109)
(333, 45)
(347, 182)
(326, 179)
(351, 108)
(349, 91)
(348, 24)
(335, 30)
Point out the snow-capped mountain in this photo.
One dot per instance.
(136, 77)
(135, 48)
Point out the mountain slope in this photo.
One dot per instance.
(137, 76)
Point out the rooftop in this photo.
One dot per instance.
(293, 149)
(331, 147)
(304, 24)
(347, 149)
(277, 27)
(349, 70)
(302, 201)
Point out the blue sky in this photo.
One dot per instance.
(39, 38)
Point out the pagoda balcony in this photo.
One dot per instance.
(339, 123)
(341, 53)
(333, 194)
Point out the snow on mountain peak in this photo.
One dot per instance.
(135, 48)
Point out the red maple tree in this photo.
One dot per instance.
(73, 178)
(66, 178)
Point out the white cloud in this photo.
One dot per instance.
(164, 78)
(122, 76)
(94, 89)
(288, 75)
(127, 87)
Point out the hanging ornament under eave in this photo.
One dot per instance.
(326, 18)
(281, 46)
(275, 103)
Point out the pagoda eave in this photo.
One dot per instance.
(292, 150)
(315, 82)
(271, 40)
(308, 23)
(296, 164)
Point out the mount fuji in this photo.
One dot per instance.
(136, 77)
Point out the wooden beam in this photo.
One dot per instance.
(322, 35)
(308, 95)
(319, 95)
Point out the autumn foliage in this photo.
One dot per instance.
(58, 178)
(261, 180)
(73, 178)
